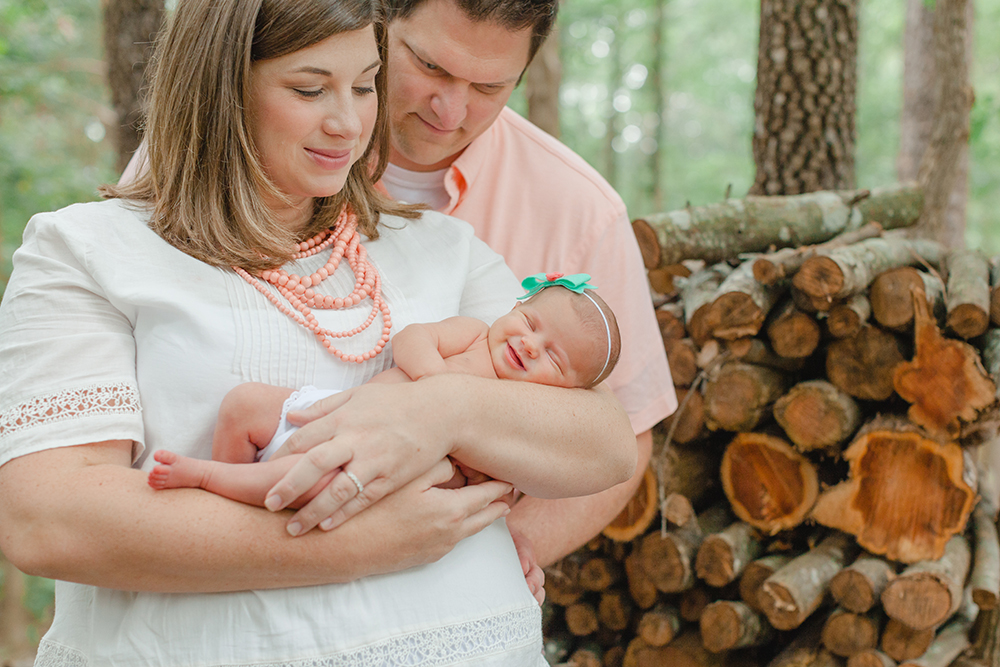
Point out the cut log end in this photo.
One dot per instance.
(638, 514)
(905, 496)
(769, 485)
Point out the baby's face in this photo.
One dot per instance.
(543, 341)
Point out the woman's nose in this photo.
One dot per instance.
(342, 120)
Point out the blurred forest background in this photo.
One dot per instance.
(657, 94)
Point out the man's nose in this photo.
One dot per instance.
(450, 104)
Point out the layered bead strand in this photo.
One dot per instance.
(302, 298)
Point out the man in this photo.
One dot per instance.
(453, 65)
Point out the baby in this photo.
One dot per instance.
(563, 335)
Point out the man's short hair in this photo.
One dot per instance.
(514, 15)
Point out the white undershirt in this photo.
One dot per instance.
(417, 187)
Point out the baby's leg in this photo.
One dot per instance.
(248, 418)
(244, 482)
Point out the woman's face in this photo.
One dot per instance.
(311, 115)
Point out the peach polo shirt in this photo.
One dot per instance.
(543, 208)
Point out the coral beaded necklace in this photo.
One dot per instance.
(298, 290)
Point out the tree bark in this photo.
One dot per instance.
(968, 293)
(846, 318)
(842, 272)
(757, 572)
(985, 577)
(795, 591)
(805, 100)
(130, 27)
(659, 626)
(723, 556)
(942, 162)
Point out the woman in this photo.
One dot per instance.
(124, 324)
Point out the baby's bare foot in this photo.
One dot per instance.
(176, 471)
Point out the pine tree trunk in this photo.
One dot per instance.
(805, 101)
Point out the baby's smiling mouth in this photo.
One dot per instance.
(514, 357)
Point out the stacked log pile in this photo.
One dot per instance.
(824, 494)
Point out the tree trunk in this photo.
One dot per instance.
(805, 101)
(723, 556)
(943, 166)
(846, 633)
(541, 86)
(130, 27)
(727, 625)
(927, 593)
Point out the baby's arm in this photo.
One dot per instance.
(419, 350)
(248, 418)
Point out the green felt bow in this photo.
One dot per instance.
(536, 283)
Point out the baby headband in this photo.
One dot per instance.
(576, 282)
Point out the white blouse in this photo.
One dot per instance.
(109, 333)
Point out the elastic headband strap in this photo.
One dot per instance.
(607, 329)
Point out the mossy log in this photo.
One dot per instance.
(769, 485)
(927, 593)
(754, 224)
(740, 395)
(723, 556)
(845, 271)
(858, 587)
(945, 383)
(905, 495)
(741, 304)
(770, 268)
(726, 625)
(795, 591)
(968, 293)
(891, 300)
(816, 415)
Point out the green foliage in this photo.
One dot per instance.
(53, 111)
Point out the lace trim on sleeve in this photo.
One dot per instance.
(115, 398)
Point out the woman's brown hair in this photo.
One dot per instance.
(203, 179)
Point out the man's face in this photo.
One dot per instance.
(449, 78)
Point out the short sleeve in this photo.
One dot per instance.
(67, 355)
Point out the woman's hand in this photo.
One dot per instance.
(384, 435)
(533, 574)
